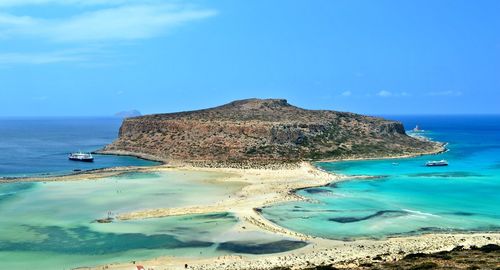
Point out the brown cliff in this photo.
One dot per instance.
(264, 130)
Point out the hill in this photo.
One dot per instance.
(264, 130)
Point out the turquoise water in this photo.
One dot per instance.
(403, 196)
(40, 146)
(51, 225)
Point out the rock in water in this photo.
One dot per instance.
(264, 130)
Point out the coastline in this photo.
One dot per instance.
(324, 252)
(265, 186)
(319, 251)
(440, 147)
(130, 154)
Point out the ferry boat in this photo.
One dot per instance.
(80, 156)
(436, 163)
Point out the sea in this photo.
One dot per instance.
(51, 225)
(394, 197)
(40, 146)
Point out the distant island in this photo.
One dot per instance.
(266, 131)
(128, 114)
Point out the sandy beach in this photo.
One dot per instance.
(324, 252)
(263, 187)
(268, 186)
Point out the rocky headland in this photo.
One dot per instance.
(264, 131)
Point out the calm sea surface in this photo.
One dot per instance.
(31, 146)
(50, 225)
(405, 197)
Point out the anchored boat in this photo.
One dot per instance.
(417, 129)
(436, 163)
(80, 156)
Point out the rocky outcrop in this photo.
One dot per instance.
(264, 130)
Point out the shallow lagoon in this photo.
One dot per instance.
(50, 225)
(403, 196)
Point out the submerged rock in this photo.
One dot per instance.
(104, 220)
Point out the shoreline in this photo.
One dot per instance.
(130, 154)
(319, 251)
(440, 149)
(263, 187)
(117, 170)
(268, 186)
(323, 252)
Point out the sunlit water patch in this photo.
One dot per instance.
(403, 196)
(52, 225)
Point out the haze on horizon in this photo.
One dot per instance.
(99, 57)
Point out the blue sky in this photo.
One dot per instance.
(97, 57)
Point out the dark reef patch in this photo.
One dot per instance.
(261, 248)
(465, 214)
(333, 185)
(383, 213)
(82, 240)
(316, 190)
(224, 215)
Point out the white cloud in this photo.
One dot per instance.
(346, 94)
(445, 93)
(41, 58)
(127, 22)
(19, 3)
(107, 23)
(384, 93)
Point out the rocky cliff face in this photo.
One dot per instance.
(263, 130)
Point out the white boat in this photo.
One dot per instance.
(80, 156)
(436, 163)
(417, 129)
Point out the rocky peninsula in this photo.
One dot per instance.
(266, 145)
(263, 131)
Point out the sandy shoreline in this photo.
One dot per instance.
(342, 254)
(172, 164)
(265, 187)
(262, 187)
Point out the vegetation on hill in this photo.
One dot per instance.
(264, 130)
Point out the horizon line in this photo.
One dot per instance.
(118, 117)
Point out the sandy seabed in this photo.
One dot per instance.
(264, 187)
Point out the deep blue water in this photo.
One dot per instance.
(405, 197)
(30, 146)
